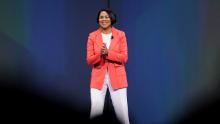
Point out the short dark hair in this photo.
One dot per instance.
(111, 14)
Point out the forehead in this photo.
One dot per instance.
(103, 13)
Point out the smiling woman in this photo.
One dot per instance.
(107, 53)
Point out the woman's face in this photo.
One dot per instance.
(104, 20)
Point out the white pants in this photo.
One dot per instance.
(118, 97)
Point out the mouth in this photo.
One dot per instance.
(104, 23)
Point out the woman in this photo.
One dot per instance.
(107, 53)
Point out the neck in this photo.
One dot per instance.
(107, 30)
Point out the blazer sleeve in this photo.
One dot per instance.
(121, 56)
(92, 56)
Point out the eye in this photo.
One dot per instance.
(102, 17)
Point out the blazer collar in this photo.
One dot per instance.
(113, 40)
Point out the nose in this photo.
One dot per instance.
(104, 19)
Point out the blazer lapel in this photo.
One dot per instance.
(114, 39)
(98, 39)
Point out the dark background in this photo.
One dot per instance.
(173, 66)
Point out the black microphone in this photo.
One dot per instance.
(112, 37)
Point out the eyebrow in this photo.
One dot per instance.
(104, 16)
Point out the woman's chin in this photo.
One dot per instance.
(105, 27)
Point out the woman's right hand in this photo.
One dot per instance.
(104, 50)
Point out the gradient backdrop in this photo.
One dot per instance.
(173, 48)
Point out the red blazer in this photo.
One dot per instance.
(114, 62)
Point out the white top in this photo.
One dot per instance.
(107, 39)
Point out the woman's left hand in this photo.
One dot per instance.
(104, 50)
